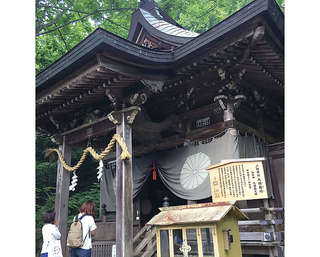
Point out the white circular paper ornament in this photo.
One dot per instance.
(193, 172)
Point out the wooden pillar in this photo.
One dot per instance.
(273, 250)
(62, 195)
(124, 204)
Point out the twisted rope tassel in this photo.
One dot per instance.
(116, 137)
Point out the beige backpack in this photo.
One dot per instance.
(75, 235)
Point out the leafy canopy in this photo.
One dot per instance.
(61, 24)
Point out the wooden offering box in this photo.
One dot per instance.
(198, 230)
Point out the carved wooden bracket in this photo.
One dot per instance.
(130, 113)
(228, 104)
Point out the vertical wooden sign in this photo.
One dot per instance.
(235, 180)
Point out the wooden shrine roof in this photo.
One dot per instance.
(147, 22)
(195, 214)
(79, 79)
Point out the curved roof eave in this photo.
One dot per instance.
(97, 41)
(166, 27)
(158, 29)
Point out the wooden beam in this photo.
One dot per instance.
(62, 195)
(173, 141)
(208, 131)
(124, 200)
(103, 126)
(244, 128)
(70, 81)
(82, 133)
(134, 72)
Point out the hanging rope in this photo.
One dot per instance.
(116, 137)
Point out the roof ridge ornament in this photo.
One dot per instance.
(145, 3)
(150, 5)
(166, 26)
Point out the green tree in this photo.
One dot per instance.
(61, 24)
(201, 15)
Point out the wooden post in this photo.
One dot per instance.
(124, 210)
(273, 251)
(62, 195)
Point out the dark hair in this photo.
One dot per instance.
(88, 207)
(48, 217)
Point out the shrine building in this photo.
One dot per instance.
(181, 101)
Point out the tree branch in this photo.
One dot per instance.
(107, 19)
(83, 17)
(213, 7)
(84, 12)
(65, 43)
(65, 24)
(40, 27)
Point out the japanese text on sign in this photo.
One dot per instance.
(241, 180)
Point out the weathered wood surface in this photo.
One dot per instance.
(276, 160)
(140, 233)
(260, 222)
(257, 239)
(62, 195)
(150, 249)
(124, 214)
(262, 209)
(149, 235)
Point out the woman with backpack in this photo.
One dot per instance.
(51, 246)
(88, 227)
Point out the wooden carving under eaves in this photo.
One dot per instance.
(131, 112)
(148, 41)
(148, 132)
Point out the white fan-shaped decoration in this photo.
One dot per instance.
(193, 172)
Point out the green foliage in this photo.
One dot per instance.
(45, 178)
(78, 197)
(201, 15)
(61, 24)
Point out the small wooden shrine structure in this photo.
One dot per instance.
(161, 89)
(209, 229)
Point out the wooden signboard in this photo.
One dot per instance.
(240, 179)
